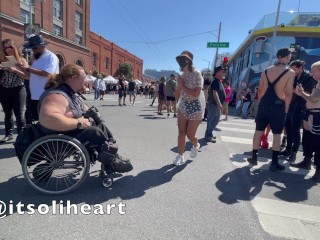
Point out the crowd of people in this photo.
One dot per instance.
(15, 97)
(287, 97)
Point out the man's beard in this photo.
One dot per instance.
(37, 55)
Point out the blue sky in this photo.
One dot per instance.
(158, 31)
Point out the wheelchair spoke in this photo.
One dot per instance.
(56, 166)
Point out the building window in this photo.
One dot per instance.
(79, 2)
(25, 16)
(27, 1)
(79, 63)
(78, 39)
(94, 59)
(107, 63)
(57, 9)
(78, 21)
(57, 30)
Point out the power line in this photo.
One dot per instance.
(166, 40)
(142, 30)
(144, 41)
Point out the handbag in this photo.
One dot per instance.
(193, 106)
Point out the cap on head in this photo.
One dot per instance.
(284, 52)
(217, 69)
(186, 54)
(35, 41)
(172, 75)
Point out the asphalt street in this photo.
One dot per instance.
(216, 195)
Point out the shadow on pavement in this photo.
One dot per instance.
(289, 187)
(17, 189)
(7, 152)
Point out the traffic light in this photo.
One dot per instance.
(225, 62)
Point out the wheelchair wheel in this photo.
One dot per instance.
(107, 182)
(55, 164)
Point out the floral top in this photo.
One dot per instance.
(190, 106)
(11, 80)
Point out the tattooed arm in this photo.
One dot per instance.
(313, 97)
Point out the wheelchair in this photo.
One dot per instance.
(57, 164)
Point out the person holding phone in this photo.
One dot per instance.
(12, 90)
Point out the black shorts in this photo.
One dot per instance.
(121, 93)
(274, 116)
(161, 97)
(173, 99)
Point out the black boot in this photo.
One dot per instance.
(316, 176)
(275, 166)
(121, 165)
(292, 157)
(305, 164)
(254, 159)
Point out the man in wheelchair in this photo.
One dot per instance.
(62, 111)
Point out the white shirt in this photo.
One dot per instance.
(101, 85)
(48, 62)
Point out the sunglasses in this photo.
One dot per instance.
(10, 47)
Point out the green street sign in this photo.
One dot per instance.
(217, 44)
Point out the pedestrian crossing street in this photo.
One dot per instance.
(278, 217)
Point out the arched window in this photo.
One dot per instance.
(61, 61)
(79, 63)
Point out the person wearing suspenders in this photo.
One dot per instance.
(275, 93)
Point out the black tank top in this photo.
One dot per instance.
(75, 104)
(270, 99)
(161, 85)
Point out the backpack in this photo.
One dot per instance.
(27, 136)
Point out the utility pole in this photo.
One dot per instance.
(274, 34)
(31, 3)
(217, 49)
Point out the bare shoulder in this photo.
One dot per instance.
(291, 75)
(291, 72)
(55, 99)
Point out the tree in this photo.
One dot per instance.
(95, 73)
(103, 75)
(126, 70)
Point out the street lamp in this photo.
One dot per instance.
(32, 29)
(208, 63)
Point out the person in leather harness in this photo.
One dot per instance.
(297, 109)
(275, 96)
(62, 111)
(311, 124)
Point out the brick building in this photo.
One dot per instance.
(66, 26)
(107, 57)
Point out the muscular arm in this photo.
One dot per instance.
(39, 72)
(261, 90)
(34, 71)
(313, 97)
(53, 114)
(289, 90)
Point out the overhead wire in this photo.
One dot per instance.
(134, 29)
(163, 58)
(166, 40)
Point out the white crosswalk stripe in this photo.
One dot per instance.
(276, 216)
